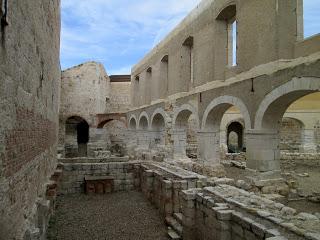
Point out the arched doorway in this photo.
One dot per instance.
(235, 137)
(77, 137)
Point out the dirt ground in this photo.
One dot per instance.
(118, 216)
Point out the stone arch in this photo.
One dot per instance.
(209, 136)
(143, 121)
(263, 142)
(214, 112)
(132, 122)
(181, 115)
(158, 119)
(274, 105)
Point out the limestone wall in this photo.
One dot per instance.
(119, 97)
(29, 98)
(84, 91)
(123, 175)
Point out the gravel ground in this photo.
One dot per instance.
(127, 216)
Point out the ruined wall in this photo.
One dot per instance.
(29, 98)
(84, 90)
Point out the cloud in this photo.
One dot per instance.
(119, 33)
(116, 33)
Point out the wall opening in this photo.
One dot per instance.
(132, 124)
(164, 76)
(232, 43)
(188, 60)
(235, 137)
(77, 137)
(158, 127)
(308, 18)
(229, 16)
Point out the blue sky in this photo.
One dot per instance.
(118, 33)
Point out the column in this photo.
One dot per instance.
(179, 143)
(209, 146)
(263, 151)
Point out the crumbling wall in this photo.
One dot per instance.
(29, 97)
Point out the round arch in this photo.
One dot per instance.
(132, 122)
(143, 121)
(216, 109)
(158, 119)
(181, 115)
(274, 105)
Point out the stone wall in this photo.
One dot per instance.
(84, 91)
(119, 97)
(291, 135)
(123, 175)
(227, 213)
(29, 99)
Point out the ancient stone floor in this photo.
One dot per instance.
(126, 215)
(307, 179)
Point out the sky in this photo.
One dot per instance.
(118, 33)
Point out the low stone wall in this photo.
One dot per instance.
(307, 159)
(226, 212)
(124, 175)
(162, 185)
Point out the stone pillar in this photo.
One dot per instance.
(188, 207)
(308, 141)
(209, 146)
(179, 143)
(263, 151)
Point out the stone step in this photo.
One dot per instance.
(178, 217)
(174, 224)
(173, 235)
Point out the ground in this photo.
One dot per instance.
(307, 184)
(125, 215)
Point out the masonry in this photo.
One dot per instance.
(29, 100)
(170, 128)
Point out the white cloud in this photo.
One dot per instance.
(119, 33)
(116, 32)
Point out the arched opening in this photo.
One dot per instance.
(142, 132)
(235, 137)
(148, 84)
(264, 141)
(158, 127)
(220, 115)
(186, 125)
(228, 18)
(143, 123)
(164, 76)
(187, 63)
(132, 124)
(77, 137)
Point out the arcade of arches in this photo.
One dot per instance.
(218, 127)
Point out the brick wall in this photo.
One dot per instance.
(29, 93)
